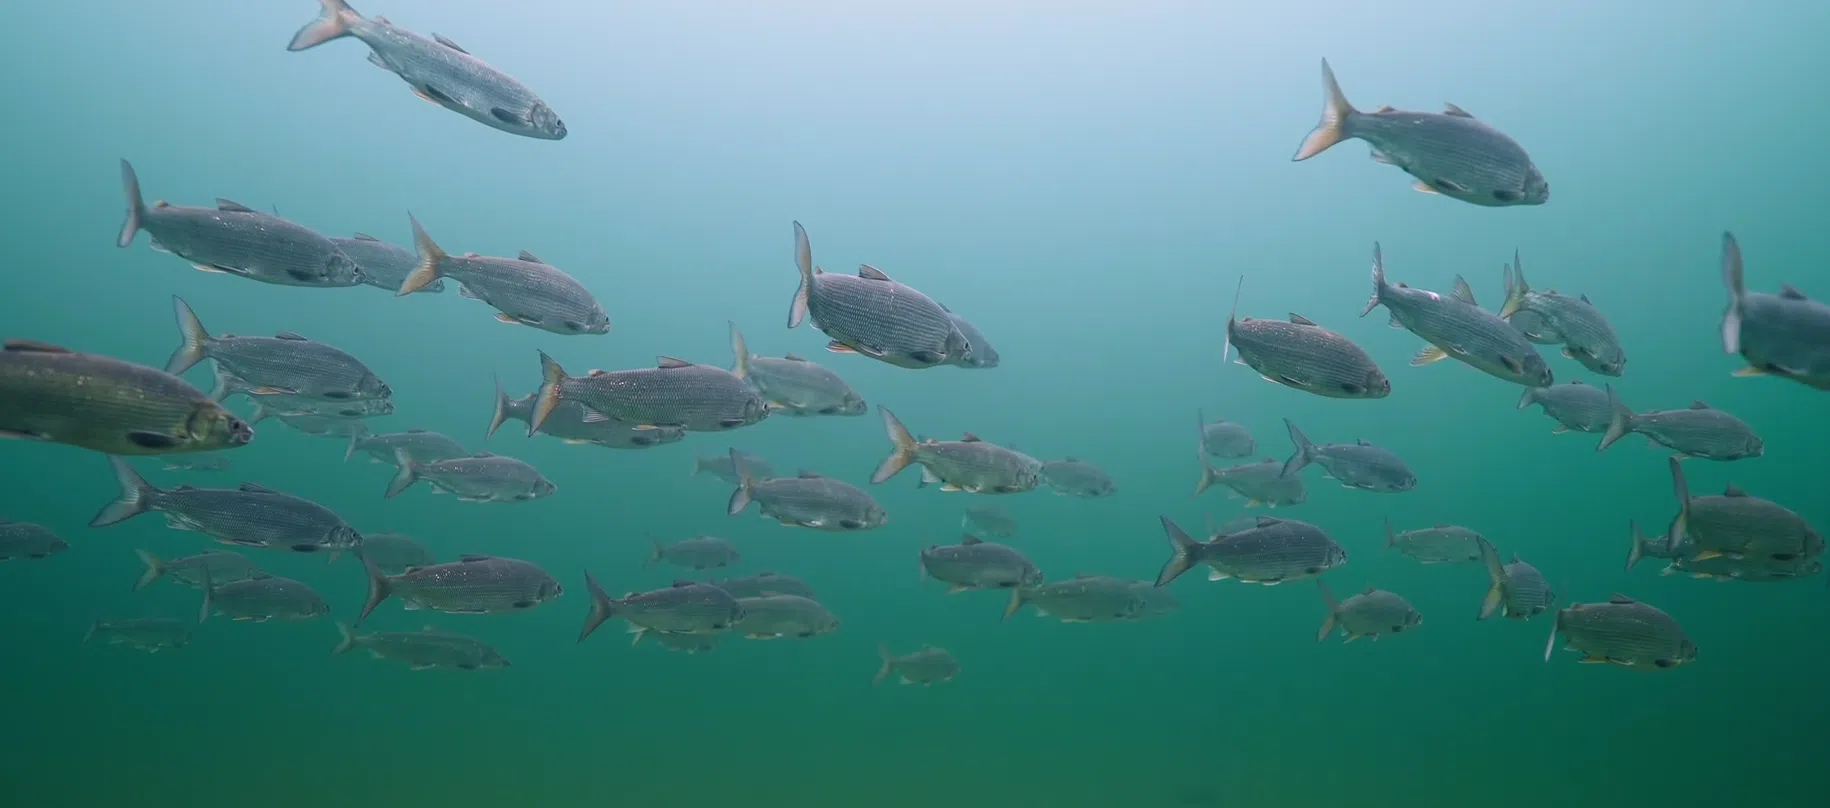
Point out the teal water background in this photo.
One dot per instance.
(1086, 182)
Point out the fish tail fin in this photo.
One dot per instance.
(136, 205)
(1209, 476)
(1528, 398)
(1516, 287)
(136, 496)
(1334, 608)
(194, 339)
(602, 607)
(1183, 553)
(1496, 574)
(1305, 451)
(1378, 281)
(261, 412)
(1391, 538)
(901, 456)
(887, 667)
(501, 414)
(741, 351)
(1737, 293)
(654, 554)
(94, 626)
(1018, 597)
(746, 485)
(1226, 343)
(803, 260)
(332, 22)
(1638, 550)
(552, 389)
(1336, 115)
(1556, 623)
(426, 271)
(698, 466)
(379, 587)
(355, 442)
(154, 569)
(1620, 421)
(406, 474)
(1681, 525)
(209, 596)
(346, 638)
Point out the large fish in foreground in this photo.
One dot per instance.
(873, 315)
(1785, 335)
(970, 464)
(523, 290)
(1450, 153)
(1737, 525)
(1457, 326)
(438, 71)
(97, 402)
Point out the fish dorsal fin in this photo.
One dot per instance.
(1463, 292)
(1619, 598)
(1362, 442)
(529, 257)
(472, 558)
(380, 19)
(364, 237)
(416, 431)
(1300, 320)
(871, 273)
(232, 205)
(483, 454)
(1267, 521)
(968, 539)
(1384, 108)
(808, 474)
(795, 358)
(1790, 292)
(683, 583)
(28, 346)
(1584, 297)
(671, 363)
(252, 488)
(1575, 381)
(412, 567)
(1370, 589)
(971, 438)
(1451, 109)
(1699, 405)
(1733, 491)
(440, 39)
(291, 335)
(185, 487)
(1515, 556)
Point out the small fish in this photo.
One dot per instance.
(235, 239)
(383, 265)
(1737, 525)
(698, 553)
(423, 650)
(991, 520)
(1304, 356)
(1084, 599)
(284, 405)
(1786, 334)
(970, 465)
(1371, 613)
(1574, 406)
(573, 423)
(765, 583)
(481, 477)
(1271, 552)
(148, 634)
(1624, 632)
(261, 599)
(395, 553)
(248, 515)
(678, 393)
(205, 462)
(523, 290)
(438, 71)
(1260, 483)
(1356, 465)
(288, 363)
(1646, 547)
(1518, 590)
(97, 402)
(1585, 333)
(1441, 544)
(724, 466)
(1700, 431)
(1744, 569)
(474, 584)
(776, 616)
(927, 666)
(1450, 153)
(687, 607)
(979, 354)
(28, 540)
(686, 643)
(794, 386)
(224, 567)
(872, 315)
(807, 500)
(1225, 438)
(321, 426)
(1457, 326)
(978, 564)
(1077, 478)
(418, 445)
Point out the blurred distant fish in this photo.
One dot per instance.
(1153, 601)
(687, 607)
(573, 423)
(686, 643)
(149, 634)
(807, 500)
(969, 465)
(1624, 632)
(481, 477)
(1441, 544)
(419, 445)
(776, 616)
(793, 385)
(248, 515)
(697, 553)
(1270, 552)
(261, 599)
(383, 265)
(288, 363)
(1518, 590)
(1457, 326)
(283, 405)
(1751, 570)
(423, 650)
(1356, 465)
(223, 566)
(724, 466)
(1303, 355)
(234, 239)
(28, 540)
(1371, 613)
(1573, 322)
(979, 354)
(1700, 431)
(322, 426)
(395, 553)
(523, 290)
(765, 583)
(1225, 438)
(1574, 406)
(990, 519)
(678, 393)
(1737, 525)
(1077, 478)
(872, 315)
(1260, 483)
(1085, 599)
(1786, 334)
(927, 666)
(209, 462)
(977, 564)
(438, 71)
(100, 403)
(474, 584)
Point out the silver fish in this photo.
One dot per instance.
(1786, 334)
(523, 290)
(1574, 322)
(1077, 478)
(234, 239)
(991, 519)
(978, 564)
(1260, 483)
(481, 477)
(697, 553)
(1372, 613)
(764, 583)
(438, 71)
(383, 265)
(776, 616)
(321, 426)
(970, 465)
(1518, 590)
(291, 406)
(261, 599)
(979, 354)
(1441, 544)
(873, 315)
(724, 466)
(1457, 326)
(28, 540)
(1085, 599)
(687, 607)
(148, 634)
(423, 650)
(686, 643)
(1153, 601)
(1303, 355)
(1271, 552)
(573, 423)
(808, 500)
(1225, 438)
(1574, 406)
(793, 385)
(1737, 525)
(419, 445)
(395, 553)
(1450, 153)
(474, 584)
(696, 398)
(96, 402)
(1624, 632)
(248, 515)
(927, 666)
(197, 462)
(1700, 431)
(287, 363)
(1356, 465)
(1744, 569)
(224, 567)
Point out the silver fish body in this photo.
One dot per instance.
(1356, 465)
(197, 462)
(28, 540)
(1440, 544)
(288, 363)
(1748, 570)
(233, 239)
(990, 520)
(1260, 483)
(322, 426)
(979, 354)
(765, 583)
(1517, 590)
(696, 398)
(1738, 525)
(1307, 357)
(1372, 613)
(873, 315)
(424, 650)
(262, 599)
(222, 567)
(686, 643)
(419, 445)
(1554, 318)
(1624, 632)
(1086, 599)
(776, 616)
(474, 584)
(1271, 552)
(383, 265)
(970, 465)
(148, 634)
(107, 405)
(1574, 406)
(1699, 431)
(1786, 334)
(248, 515)
(573, 423)
(795, 386)
(1225, 438)
(295, 406)
(687, 607)
(522, 290)
(697, 553)
(977, 564)
(395, 553)
(927, 666)
(1077, 478)
(724, 466)
(809, 500)
(481, 477)
(1456, 326)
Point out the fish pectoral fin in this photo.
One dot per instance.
(1382, 158)
(1424, 187)
(1430, 353)
(221, 270)
(14, 434)
(504, 317)
(1559, 430)
(1592, 659)
(836, 346)
(1751, 371)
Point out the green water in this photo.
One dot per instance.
(1085, 182)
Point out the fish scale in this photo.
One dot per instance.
(1739, 524)
(687, 607)
(976, 564)
(1307, 357)
(1785, 334)
(1270, 552)
(1442, 145)
(1623, 631)
(475, 584)
(870, 312)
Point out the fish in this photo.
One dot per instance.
(1270, 552)
(1644, 546)
(321, 426)
(991, 520)
(1700, 431)
(423, 650)
(1738, 525)
(383, 265)
(979, 355)
(677, 393)
(573, 423)
(978, 564)
(235, 239)
(765, 583)
(197, 462)
(1153, 601)
(148, 634)
(697, 553)
(248, 515)
(687, 607)
(261, 599)
(291, 406)
(395, 553)
(523, 290)
(724, 466)
(1085, 599)
(1751, 570)
(1441, 544)
(1785, 335)
(1574, 406)
(49, 393)
(1356, 465)
(481, 477)
(1225, 438)
(438, 71)
(1077, 478)
(1372, 613)
(807, 499)
(1456, 326)
(473, 584)
(287, 363)
(1623, 632)
(926, 666)
(1518, 590)
(1585, 333)
(871, 314)
(686, 643)
(793, 385)
(969, 465)
(1449, 153)
(224, 567)
(1260, 483)
(419, 445)
(776, 616)
(1302, 355)
(28, 540)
